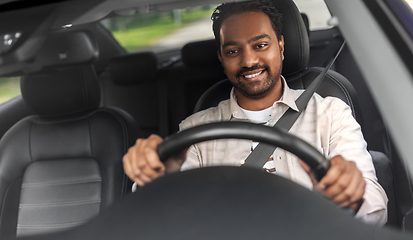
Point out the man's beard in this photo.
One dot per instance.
(256, 90)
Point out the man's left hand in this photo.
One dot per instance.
(343, 183)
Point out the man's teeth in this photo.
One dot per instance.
(252, 75)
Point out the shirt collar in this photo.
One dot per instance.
(288, 98)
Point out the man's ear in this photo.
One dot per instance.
(220, 59)
(219, 56)
(281, 46)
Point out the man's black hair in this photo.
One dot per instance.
(226, 10)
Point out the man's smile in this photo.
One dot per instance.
(253, 75)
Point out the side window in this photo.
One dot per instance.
(402, 13)
(9, 88)
(317, 13)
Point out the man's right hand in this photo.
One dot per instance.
(142, 165)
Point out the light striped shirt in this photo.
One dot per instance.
(327, 124)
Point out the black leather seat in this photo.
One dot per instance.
(299, 76)
(62, 166)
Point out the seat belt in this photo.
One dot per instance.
(262, 152)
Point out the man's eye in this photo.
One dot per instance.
(229, 52)
(261, 45)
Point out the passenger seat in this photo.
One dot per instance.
(63, 165)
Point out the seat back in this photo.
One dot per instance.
(63, 165)
(384, 173)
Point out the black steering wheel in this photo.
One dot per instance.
(244, 130)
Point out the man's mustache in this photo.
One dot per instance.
(249, 69)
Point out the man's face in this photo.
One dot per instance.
(251, 53)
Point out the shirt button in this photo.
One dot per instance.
(242, 161)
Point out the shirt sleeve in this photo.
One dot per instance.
(192, 157)
(347, 140)
(192, 160)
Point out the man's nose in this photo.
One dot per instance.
(249, 58)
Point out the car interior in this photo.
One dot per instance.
(85, 100)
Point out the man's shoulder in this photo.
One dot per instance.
(327, 101)
(209, 115)
(329, 105)
(330, 101)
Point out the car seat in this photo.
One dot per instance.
(63, 165)
(132, 85)
(299, 76)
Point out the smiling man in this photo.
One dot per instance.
(251, 50)
(258, 82)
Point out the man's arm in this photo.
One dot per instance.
(346, 139)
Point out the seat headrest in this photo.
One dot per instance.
(135, 68)
(296, 49)
(61, 91)
(57, 49)
(64, 49)
(297, 46)
(202, 53)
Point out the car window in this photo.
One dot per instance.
(163, 30)
(410, 3)
(9, 88)
(400, 13)
(316, 11)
